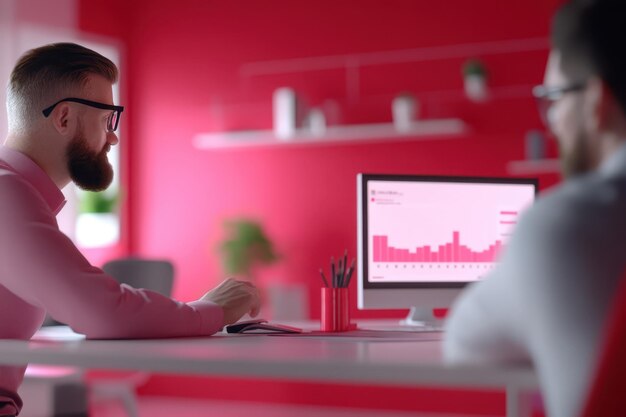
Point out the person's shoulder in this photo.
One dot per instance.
(585, 204)
(11, 181)
(19, 197)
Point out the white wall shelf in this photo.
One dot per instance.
(534, 166)
(376, 132)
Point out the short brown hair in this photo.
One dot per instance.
(589, 34)
(46, 74)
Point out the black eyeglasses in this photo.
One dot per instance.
(547, 96)
(112, 121)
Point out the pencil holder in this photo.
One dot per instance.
(335, 310)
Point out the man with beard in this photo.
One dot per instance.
(62, 123)
(547, 301)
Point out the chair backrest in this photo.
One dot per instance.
(152, 274)
(607, 397)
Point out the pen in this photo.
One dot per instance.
(345, 266)
(332, 269)
(323, 278)
(340, 275)
(350, 271)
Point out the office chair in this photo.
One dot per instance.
(151, 274)
(606, 397)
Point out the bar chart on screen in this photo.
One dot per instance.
(456, 235)
(449, 252)
(453, 251)
(451, 261)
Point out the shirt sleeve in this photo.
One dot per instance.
(482, 328)
(489, 323)
(41, 265)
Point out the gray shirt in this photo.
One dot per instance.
(547, 300)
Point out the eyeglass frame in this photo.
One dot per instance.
(547, 96)
(117, 109)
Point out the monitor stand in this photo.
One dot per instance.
(422, 319)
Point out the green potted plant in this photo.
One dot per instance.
(101, 202)
(475, 79)
(245, 247)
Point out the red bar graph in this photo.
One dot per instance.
(449, 252)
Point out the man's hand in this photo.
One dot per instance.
(236, 298)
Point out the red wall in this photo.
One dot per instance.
(184, 76)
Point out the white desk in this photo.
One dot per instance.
(400, 362)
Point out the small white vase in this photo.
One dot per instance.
(284, 113)
(404, 112)
(316, 122)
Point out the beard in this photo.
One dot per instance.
(578, 160)
(89, 170)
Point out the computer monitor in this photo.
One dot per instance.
(422, 239)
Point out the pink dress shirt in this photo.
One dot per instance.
(42, 271)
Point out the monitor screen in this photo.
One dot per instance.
(423, 238)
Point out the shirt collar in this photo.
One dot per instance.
(615, 165)
(36, 176)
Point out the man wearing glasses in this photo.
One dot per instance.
(547, 301)
(62, 124)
